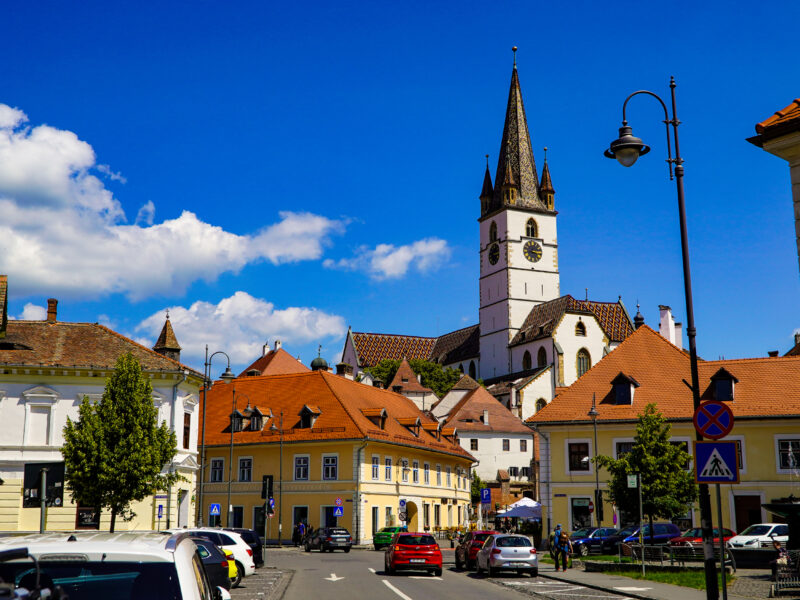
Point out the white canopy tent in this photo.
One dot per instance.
(524, 508)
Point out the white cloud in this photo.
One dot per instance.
(387, 261)
(240, 324)
(113, 176)
(62, 232)
(33, 312)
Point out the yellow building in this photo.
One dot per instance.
(46, 369)
(350, 454)
(763, 393)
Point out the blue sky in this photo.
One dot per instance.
(266, 170)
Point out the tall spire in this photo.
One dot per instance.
(516, 154)
(487, 191)
(546, 191)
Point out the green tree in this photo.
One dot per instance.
(115, 452)
(475, 488)
(667, 482)
(432, 374)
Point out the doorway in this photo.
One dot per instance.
(238, 516)
(299, 514)
(747, 510)
(581, 517)
(412, 521)
(328, 518)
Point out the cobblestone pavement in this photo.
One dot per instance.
(751, 584)
(267, 584)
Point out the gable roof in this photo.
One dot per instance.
(407, 380)
(466, 383)
(83, 345)
(467, 413)
(544, 318)
(457, 345)
(766, 387)
(276, 362)
(783, 122)
(340, 402)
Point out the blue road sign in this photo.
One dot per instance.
(338, 511)
(160, 511)
(402, 503)
(272, 502)
(713, 419)
(214, 510)
(486, 496)
(716, 462)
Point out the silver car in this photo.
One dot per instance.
(503, 552)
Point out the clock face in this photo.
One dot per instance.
(532, 251)
(494, 253)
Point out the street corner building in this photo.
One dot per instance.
(340, 453)
(46, 369)
(762, 393)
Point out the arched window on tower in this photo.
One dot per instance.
(493, 232)
(540, 404)
(530, 229)
(580, 329)
(541, 358)
(526, 361)
(584, 361)
(472, 369)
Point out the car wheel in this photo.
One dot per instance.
(239, 574)
(346, 550)
(388, 569)
(534, 572)
(492, 572)
(472, 564)
(459, 564)
(437, 572)
(584, 550)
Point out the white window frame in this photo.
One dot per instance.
(388, 467)
(211, 469)
(439, 475)
(40, 396)
(590, 454)
(741, 440)
(426, 473)
(322, 466)
(624, 440)
(572, 497)
(415, 471)
(448, 472)
(404, 470)
(294, 467)
(376, 467)
(239, 469)
(689, 448)
(784, 436)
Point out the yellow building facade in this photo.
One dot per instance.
(763, 394)
(351, 456)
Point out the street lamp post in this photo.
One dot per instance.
(227, 377)
(626, 149)
(598, 506)
(280, 481)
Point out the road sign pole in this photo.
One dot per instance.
(641, 516)
(721, 546)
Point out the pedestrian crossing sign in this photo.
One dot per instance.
(716, 462)
(338, 511)
(214, 510)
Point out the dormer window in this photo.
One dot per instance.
(237, 420)
(580, 329)
(411, 423)
(377, 416)
(256, 420)
(723, 383)
(308, 416)
(623, 389)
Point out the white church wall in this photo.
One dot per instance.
(541, 387)
(593, 342)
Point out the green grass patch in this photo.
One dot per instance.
(692, 579)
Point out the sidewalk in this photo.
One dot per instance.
(751, 583)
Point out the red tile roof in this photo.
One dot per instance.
(783, 122)
(407, 380)
(83, 345)
(467, 415)
(341, 404)
(766, 387)
(276, 362)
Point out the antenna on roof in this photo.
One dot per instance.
(587, 294)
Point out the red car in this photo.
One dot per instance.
(470, 545)
(413, 551)
(695, 536)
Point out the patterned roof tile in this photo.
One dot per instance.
(374, 347)
(456, 346)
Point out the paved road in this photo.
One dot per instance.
(359, 576)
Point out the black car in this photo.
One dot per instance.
(590, 539)
(330, 539)
(252, 539)
(214, 561)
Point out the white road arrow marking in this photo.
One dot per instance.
(333, 577)
(371, 570)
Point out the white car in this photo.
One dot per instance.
(507, 552)
(135, 566)
(760, 535)
(228, 540)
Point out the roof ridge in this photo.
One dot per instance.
(424, 337)
(149, 350)
(751, 359)
(457, 330)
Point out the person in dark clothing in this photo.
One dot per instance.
(563, 546)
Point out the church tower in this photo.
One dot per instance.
(518, 246)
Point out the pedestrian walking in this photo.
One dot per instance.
(563, 546)
(301, 532)
(296, 535)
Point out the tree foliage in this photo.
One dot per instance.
(115, 452)
(667, 486)
(475, 488)
(433, 375)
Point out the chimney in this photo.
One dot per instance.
(265, 349)
(796, 335)
(277, 345)
(344, 370)
(679, 335)
(772, 353)
(52, 312)
(485, 417)
(3, 305)
(666, 324)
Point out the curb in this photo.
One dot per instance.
(597, 587)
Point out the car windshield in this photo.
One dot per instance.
(416, 540)
(757, 530)
(512, 542)
(694, 533)
(91, 580)
(628, 531)
(582, 532)
(388, 530)
(338, 531)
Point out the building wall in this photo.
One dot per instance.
(541, 387)
(760, 476)
(34, 407)
(595, 342)
(355, 486)
(491, 456)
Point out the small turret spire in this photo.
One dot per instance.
(638, 320)
(546, 191)
(167, 344)
(487, 191)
